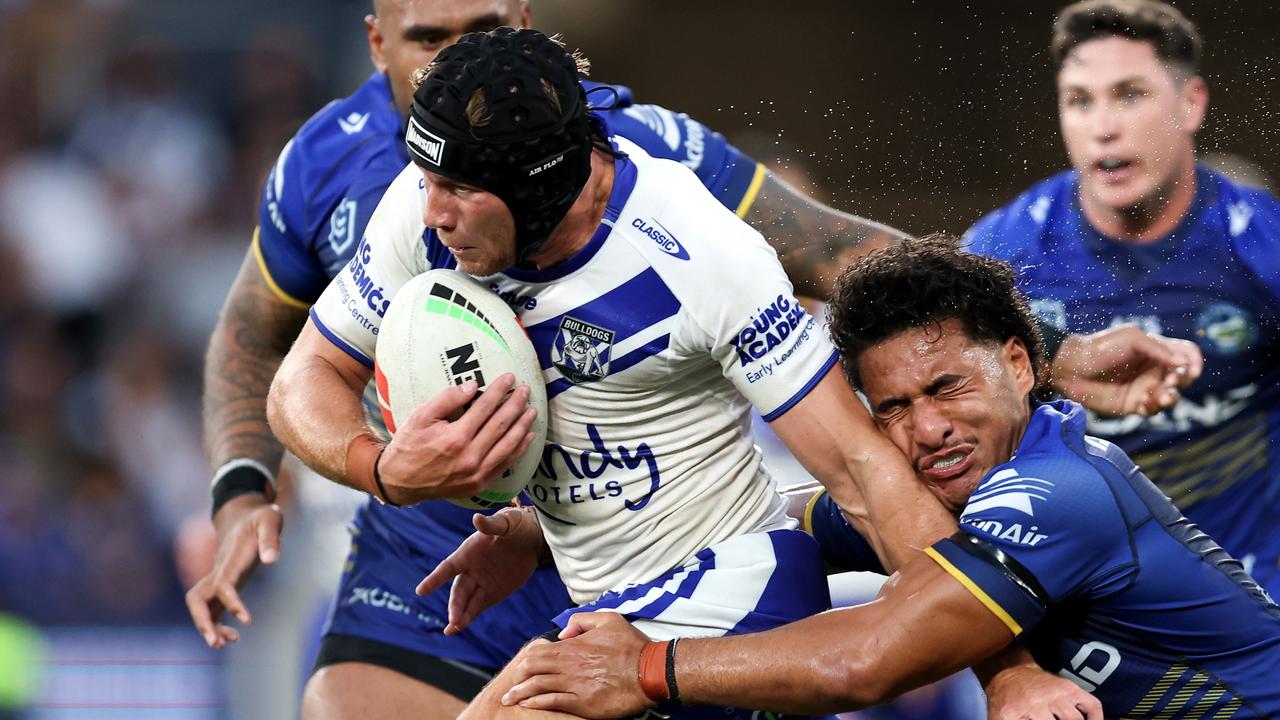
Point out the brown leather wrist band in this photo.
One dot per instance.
(652, 671)
(363, 453)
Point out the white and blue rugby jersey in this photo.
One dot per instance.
(329, 178)
(1214, 280)
(655, 339)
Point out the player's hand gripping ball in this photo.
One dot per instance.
(442, 329)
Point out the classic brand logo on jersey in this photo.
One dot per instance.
(666, 241)
(425, 142)
(581, 350)
(1225, 329)
(342, 226)
(767, 329)
(353, 123)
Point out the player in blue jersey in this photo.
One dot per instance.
(384, 648)
(1138, 232)
(1063, 544)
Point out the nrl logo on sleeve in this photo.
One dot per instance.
(424, 143)
(581, 351)
(342, 226)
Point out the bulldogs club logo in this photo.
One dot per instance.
(581, 351)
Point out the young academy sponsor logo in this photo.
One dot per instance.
(768, 329)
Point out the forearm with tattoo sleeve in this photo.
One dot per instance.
(253, 333)
(813, 241)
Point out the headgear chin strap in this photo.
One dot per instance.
(531, 151)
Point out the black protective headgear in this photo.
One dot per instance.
(533, 155)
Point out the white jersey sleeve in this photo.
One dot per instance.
(392, 251)
(741, 308)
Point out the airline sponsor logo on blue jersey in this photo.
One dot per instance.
(1008, 489)
(590, 466)
(665, 239)
(768, 328)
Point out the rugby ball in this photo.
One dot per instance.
(442, 329)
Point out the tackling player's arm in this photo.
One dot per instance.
(814, 241)
(923, 626)
(832, 435)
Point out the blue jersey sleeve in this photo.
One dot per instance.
(1039, 532)
(984, 237)
(1253, 222)
(842, 545)
(281, 244)
(732, 177)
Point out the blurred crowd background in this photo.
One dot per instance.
(134, 137)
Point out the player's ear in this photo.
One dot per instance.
(1015, 354)
(526, 14)
(1194, 99)
(374, 33)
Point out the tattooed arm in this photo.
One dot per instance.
(814, 242)
(254, 331)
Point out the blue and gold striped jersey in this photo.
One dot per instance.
(1106, 582)
(1214, 280)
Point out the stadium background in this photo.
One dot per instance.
(134, 135)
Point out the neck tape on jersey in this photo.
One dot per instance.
(532, 152)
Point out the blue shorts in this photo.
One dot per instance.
(376, 598)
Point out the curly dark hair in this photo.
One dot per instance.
(922, 282)
(1174, 37)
